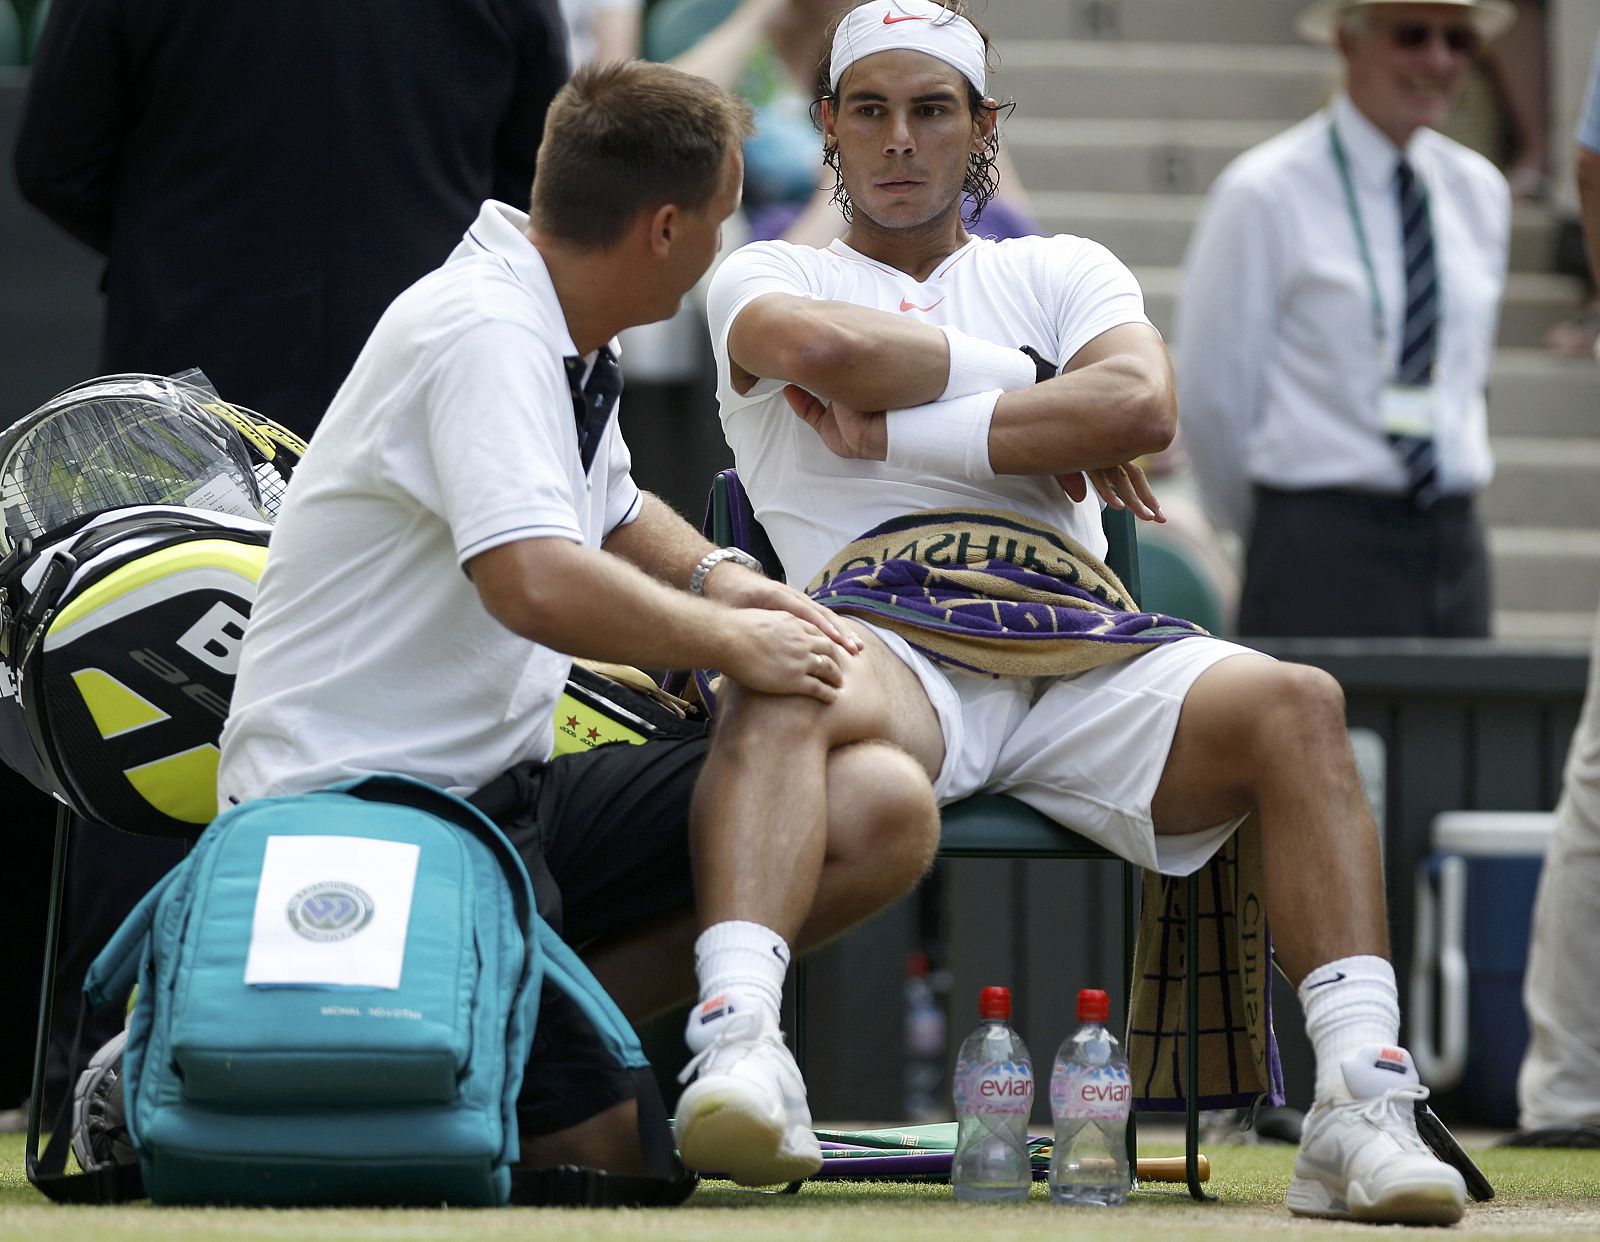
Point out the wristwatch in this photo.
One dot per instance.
(708, 562)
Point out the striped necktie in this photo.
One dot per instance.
(1418, 331)
(593, 402)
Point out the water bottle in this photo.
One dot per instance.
(993, 1096)
(1090, 1094)
(924, 1041)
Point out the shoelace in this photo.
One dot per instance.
(726, 1036)
(1396, 1104)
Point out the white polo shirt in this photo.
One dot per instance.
(368, 648)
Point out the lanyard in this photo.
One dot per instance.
(1341, 161)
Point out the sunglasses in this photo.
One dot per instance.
(1462, 40)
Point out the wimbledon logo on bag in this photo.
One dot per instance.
(329, 910)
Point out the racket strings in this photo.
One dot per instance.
(137, 440)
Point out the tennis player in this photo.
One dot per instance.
(888, 426)
(465, 523)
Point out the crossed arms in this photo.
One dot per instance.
(1112, 402)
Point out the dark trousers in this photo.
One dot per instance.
(1332, 563)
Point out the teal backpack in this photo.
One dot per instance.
(337, 993)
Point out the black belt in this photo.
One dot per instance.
(1451, 506)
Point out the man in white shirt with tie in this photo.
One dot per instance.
(1335, 332)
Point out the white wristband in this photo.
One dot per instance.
(977, 365)
(947, 439)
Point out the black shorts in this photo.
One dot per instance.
(605, 836)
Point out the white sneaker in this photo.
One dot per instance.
(1361, 1159)
(745, 1114)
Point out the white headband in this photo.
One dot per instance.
(908, 25)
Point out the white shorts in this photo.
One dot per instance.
(1086, 750)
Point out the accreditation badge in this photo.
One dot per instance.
(1409, 409)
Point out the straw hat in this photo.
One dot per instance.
(1320, 22)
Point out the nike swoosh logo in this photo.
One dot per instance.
(890, 21)
(779, 954)
(1322, 983)
(912, 306)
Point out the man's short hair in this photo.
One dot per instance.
(628, 135)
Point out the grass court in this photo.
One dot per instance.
(1540, 1194)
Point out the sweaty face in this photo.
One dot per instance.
(904, 131)
(1405, 69)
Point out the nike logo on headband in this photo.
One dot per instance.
(889, 21)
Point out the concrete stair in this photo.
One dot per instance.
(1142, 21)
(1128, 110)
(1149, 227)
(1083, 80)
(1534, 301)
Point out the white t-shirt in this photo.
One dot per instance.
(368, 648)
(1055, 294)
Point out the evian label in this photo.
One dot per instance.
(1099, 1091)
(1004, 1087)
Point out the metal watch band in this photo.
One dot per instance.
(708, 562)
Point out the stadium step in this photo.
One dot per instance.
(1533, 393)
(1544, 481)
(1534, 302)
(1173, 21)
(1100, 79)
(1557, 569)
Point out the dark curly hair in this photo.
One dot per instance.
(982, 179)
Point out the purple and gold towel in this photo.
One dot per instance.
(991, 593)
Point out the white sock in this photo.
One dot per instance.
(745, 958)
(1348, 1004)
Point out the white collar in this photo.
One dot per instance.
(839, 247)
(499, 231)
(1373, 156)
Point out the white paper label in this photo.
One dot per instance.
(223, 494)
(332, 910)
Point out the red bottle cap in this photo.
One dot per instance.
(1093, 1006)
(995, 1003)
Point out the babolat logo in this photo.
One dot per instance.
(329, 910)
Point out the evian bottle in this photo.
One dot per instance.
(1090, 1094)
(993, 1095)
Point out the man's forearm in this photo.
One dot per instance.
(660, 542)
(596, 605)
(1104, 414)
(867, 359)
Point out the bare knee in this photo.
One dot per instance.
(881, 812)
(755, 726)
(1301, 706)
(1309, 694)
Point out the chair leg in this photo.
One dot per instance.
(1131, 882)
(52, 936)
(1191, 1040)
